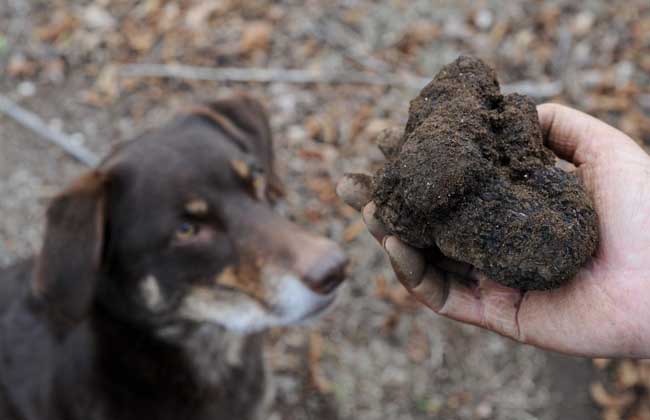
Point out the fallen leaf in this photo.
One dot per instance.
(627, 374)
(376, 126)
(21, 66)
(390, 322)
(107, 82)
(354, 230)
(417, 345)
(62, 24)
(322, 128)
(198, 14)
(601, 363)
(606, 400)
(310, 154)
(612, 414)
(140, 39)
(318, 380)
(256, 37)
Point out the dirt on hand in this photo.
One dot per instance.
(474, 179)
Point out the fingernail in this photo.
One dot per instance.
(355, 190)
(433, 290)
(407, 262)
(374, 225)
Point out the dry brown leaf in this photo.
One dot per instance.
(354, 230)
(376, 126)
(390, 322)
(601, 363)
(201, 12)
(627, 374)
(346, 211)
(256, 37)
(359, 122)
(419, 33)
(324, 187)
(600, 103)
(21, 66)
(91, 97)
(62, 24)
(313, 215)
(400, 297)
(322, 128)
(54, 70)
(642, 411)
(606, 400)
(457, 400)
(417, 345)
(107, 82)
(310, 154)
(498, 32)
(168, 18)
(318, 380)
(644, 372)
(140, 39)
(381, 287)
(612, 414)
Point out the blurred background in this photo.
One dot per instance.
(103, 71)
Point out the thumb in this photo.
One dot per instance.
(577, 137)
(355, 190)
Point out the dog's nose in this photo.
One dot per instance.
(327, 272)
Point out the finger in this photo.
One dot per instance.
(425, 282)
(390, 141)
(483, 303)
(374, 225)
(575, 136)
(487, 305)
(433, 290)
(460, 268)
(408, 263)
(355, 190)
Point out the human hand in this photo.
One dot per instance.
(605, 310)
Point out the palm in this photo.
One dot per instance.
(604, 306)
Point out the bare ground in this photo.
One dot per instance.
(377, 355)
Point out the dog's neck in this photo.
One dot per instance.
(204, 359)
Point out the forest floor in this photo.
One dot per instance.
(377, 355)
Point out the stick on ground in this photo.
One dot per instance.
(34, 123)
(274, 75)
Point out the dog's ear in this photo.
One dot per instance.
(249, 115)
(69, 263)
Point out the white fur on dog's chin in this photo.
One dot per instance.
(292, 303)
(151, 294)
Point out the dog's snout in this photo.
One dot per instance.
(327, 272)
(316, 261)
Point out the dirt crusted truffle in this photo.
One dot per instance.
(473, 178)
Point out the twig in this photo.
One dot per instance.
(34, 123)
(336, 35)
(259, 75)
(275, 75)
(534, 89)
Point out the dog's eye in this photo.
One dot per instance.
(187, 231)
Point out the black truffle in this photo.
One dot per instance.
(473, 178)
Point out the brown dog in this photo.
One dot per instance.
(158, 271)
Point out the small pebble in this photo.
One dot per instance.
(26, 89)
(483, 19)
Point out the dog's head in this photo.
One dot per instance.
(177, 226)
